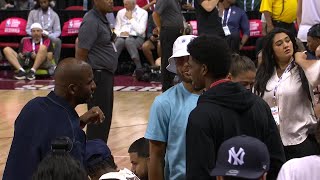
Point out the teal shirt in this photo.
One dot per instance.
(168, 121)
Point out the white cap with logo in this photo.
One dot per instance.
(180, 49)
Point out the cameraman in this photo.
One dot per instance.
(33, 53)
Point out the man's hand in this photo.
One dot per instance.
(153, 39)
(301, 60)
(94, 115)
(33, 55)
(21, 56)
(124, 34)
(129, 14)
(153, 2)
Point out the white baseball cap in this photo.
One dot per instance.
(180, 48)
(36, 25)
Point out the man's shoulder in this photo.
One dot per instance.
(90, 15)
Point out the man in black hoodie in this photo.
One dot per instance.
(225, 110)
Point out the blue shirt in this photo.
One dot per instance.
(238, 20)
(167, 123)
(40, 121)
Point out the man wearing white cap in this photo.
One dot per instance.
(33, 53)
(169, 116)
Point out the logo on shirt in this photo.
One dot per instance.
(236, 157)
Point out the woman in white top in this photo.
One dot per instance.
(284, 83)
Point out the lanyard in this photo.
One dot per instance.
(289, 67)
(49, 19)
(219, 82)
(34, 45)
(228, 16)
(245, 5)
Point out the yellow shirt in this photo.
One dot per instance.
(287, 15)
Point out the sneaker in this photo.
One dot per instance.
(31, 75)
(20, 75)
(138, 73)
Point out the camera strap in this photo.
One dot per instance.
(34, 45)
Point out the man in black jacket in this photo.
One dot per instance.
(225, 110)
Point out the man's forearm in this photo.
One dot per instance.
(156, 19)
(82, 54)
(156, 167)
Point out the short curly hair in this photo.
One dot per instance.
(212, 51)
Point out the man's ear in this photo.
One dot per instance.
(229, 76)
(72, 89)
(219, 177)
(204, 70)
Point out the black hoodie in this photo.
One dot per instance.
(222, 112)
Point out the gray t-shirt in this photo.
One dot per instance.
(95, 36)
(170, 13)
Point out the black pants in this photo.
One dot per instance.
(233, 41)
(167, 37)
(306, 148)
(102, 97)
(288, 26)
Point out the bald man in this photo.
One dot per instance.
(43, 119)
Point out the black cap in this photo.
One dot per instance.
(242, 156)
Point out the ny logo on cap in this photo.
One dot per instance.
(237, 157)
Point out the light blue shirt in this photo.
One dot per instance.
(168, 121)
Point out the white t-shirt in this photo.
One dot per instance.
(301, 168)
(309, 17)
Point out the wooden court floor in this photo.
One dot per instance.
(130, 117)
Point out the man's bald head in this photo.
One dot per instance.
(69, 71)
(74, 81)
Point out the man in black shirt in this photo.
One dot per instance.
(209, 22)
(225, 110)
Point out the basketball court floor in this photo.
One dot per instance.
(132, 101)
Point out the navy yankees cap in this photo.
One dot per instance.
(243, 157)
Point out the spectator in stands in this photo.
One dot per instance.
(242, 70)
(313, 40)
(139, 158)
(6, 4)
(49, 20)
(24, 4)
(98, 159)
(34, 52)
(281, 76)
(302, 168)
(235, 20)
(96, 45)
(208, 20)
(242, 157)
(168, 119)
(250, 6)
(111, 19)
(46, 118)
(168, 18)
(130, 28)
(187, 5)
(58, 164)
(152, 43)
(146, 4)
(279, 13)
(225, 110)
(308, 14)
